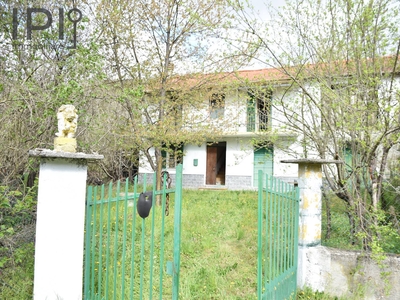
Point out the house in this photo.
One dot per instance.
(253, 137)
(257, 112)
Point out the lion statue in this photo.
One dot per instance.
(67, 121)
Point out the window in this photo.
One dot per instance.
(217, 105)
(258, 110)
(172, 156)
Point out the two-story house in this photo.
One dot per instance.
(253, 137)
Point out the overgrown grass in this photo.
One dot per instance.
(219, 245)
(218, 248)
(340, 236)
(218, 251)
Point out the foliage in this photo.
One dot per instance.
(149, 46)
(17, 230)
(340, 59)
(336, 230)
(37, 76)
(218, 250)
(308, 294)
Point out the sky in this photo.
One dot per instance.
(263, 9)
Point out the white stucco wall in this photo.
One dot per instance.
(193, 152)
(284, 170)
(239, 157)
(144, 166)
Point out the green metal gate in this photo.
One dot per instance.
(278, 216)
(126, 256)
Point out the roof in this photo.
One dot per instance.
(197, 80)
(339, 68)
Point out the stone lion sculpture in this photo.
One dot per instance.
(67, 121)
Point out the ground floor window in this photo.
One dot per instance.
(172, 156)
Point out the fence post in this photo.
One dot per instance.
(310, 223)
(60, 217)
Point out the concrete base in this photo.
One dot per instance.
(348, 274)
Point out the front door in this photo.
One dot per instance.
(216, 160)
(211, 170)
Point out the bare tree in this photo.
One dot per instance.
(341, 59)
(151, 48)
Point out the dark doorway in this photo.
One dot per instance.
(216, 159)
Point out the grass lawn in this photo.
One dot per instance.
(218, 250)
(219, 245)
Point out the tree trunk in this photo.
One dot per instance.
(328, 216)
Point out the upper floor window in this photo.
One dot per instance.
(258, 110)
(217, 105)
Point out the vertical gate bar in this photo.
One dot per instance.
(133, 236)
(296, 231)
(100, 268)
(142, 261)
(259, 235)
(152, 237)
(116, 238)
(110, 187)
(290, 233)
(267, 229)
(93, 248)
(276, 228)
(283, 227)
(124, 237)
(142, 247)
(163, 199)
(280, 228)
(284, 238)
(177, 232)
(289, 226)
(87, 242)
(292, 205)
(271, 230)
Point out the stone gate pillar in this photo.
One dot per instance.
(59, 244)
(310, 222)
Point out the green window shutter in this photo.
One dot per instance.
(251, 115)
(348, 159)
(263, 160)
